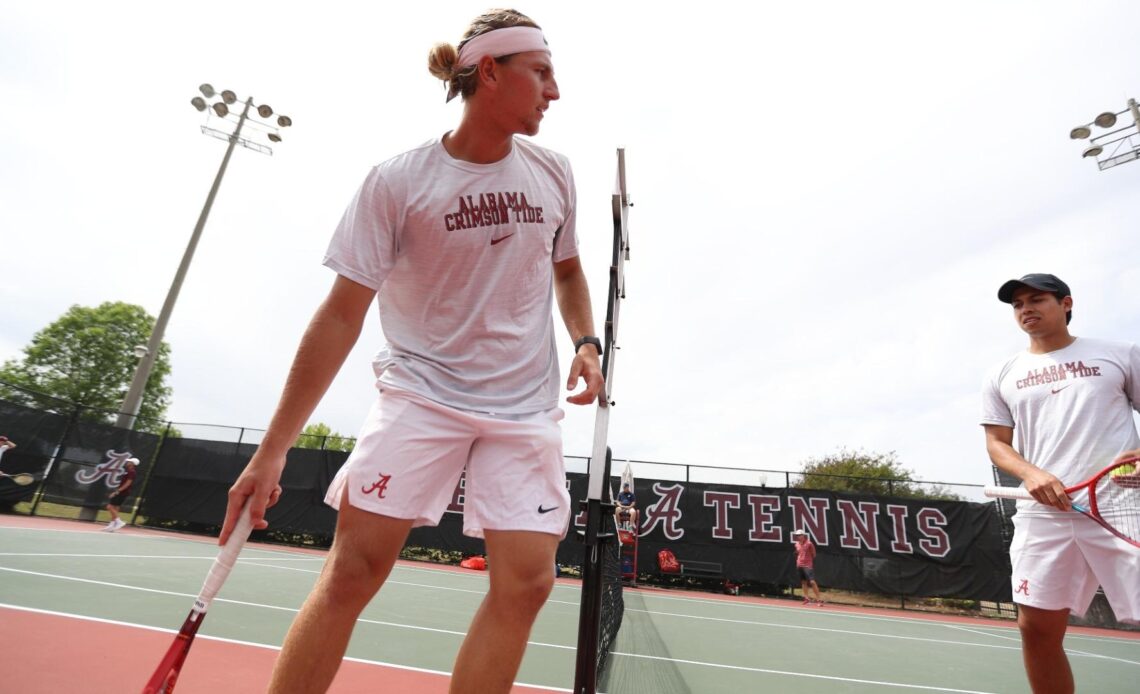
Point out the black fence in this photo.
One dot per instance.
(924, 545)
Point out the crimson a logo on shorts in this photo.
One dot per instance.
(1023, 587)
(379, 486)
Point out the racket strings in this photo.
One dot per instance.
(1118, 503)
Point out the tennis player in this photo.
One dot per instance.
(462, 240)
(1068, 402)
(5, 444)
(126, 486)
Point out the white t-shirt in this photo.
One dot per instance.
(461, 256)
(1071, 410)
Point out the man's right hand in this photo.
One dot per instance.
(258, 483)
(1047, 489)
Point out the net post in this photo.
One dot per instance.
(600, 532)
(594, 537)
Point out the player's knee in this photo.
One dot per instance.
(1042, 628)
(525, 595)
(355, 577)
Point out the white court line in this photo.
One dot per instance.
(458, 633)
(738, 605)
(536, 643)
(980, 632)
(866, 634)
(877, 683)
(1070, 651)
(735, 605)
(237, 642)
(390, 581)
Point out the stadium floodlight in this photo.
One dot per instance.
(1116, 147)
(284, 121)
(265, 110)
(1106, 119)
(132, 402)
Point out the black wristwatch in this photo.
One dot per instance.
(588, 340)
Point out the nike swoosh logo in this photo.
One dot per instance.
(1058, 390)
(545, 510)
(503, 238)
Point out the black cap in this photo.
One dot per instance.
(1040, 281)
(1037, 280)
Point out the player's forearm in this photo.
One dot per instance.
(1009, 460)
(573, 294)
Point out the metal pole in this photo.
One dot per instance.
(133, 400)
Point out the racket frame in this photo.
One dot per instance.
(1092, 511)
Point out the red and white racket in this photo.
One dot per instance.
(166, 674)
(1114, 498)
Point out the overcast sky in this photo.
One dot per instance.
(827, 197)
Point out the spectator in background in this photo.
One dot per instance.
(805, 565)
(5, 444)
(126, 483)
(626, 511)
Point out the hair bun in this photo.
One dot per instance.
(441, 61)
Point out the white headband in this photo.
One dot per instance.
(500, 42)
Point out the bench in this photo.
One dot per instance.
(702, 569)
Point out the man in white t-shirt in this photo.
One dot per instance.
(466, 241)
(1054, 415)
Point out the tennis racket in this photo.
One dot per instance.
(1114, 498)
(166, 674)
(21, 478)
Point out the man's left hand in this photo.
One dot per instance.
(586, 366)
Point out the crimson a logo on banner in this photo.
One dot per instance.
(110, 471)
(700, 513)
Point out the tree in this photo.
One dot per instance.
(320, 436)
(87, 357)
(859, 472)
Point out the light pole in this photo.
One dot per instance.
(1126, 138)
(219, 110)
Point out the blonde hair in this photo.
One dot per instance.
(442, 57)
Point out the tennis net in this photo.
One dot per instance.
(613, 601)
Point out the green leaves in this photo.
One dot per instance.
(320, 436)
(87, 357)
(860, 472)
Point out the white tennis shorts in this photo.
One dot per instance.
(1058, 562)
(411, 452)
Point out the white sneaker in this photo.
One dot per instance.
(114, 525)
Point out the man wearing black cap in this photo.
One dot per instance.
(1054, 414)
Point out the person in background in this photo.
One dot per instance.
(805, 566)
(626, 511)
(5, 444)
(126, 484)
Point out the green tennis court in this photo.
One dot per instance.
(670, 641)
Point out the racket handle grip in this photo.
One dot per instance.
(1007, 493)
